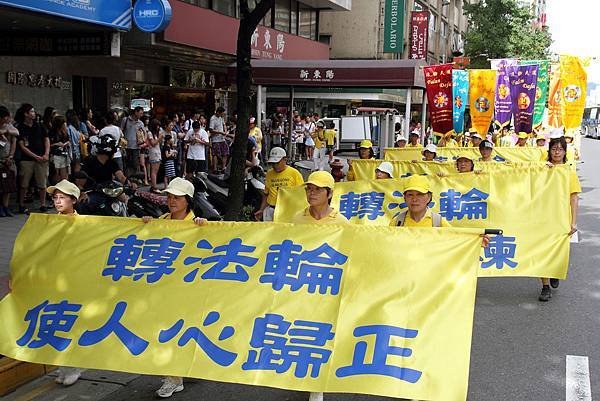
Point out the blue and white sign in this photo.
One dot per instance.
(113, 13)
(152, 15)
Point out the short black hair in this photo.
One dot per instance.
(196, 125)
(220, 109)
(563, 142)
(138, 108)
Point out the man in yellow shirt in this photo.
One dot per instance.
(280, 176)
(413, 140)
(417, 194)
(256, 133)
(330, 140)
(319, 191)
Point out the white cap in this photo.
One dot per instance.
(66, 187)
(556, 133)
(180, 187)
(386, 167)
(401, 137)
(276, 155)
(431, 148)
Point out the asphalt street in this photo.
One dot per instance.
(519, 347)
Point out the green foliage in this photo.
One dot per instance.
(503, 29)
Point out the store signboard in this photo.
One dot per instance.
(112, 13)
(393, 33)
(152, 15)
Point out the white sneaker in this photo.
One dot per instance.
(71, 377)
(61, 377)
(168, 388)
(316, 397)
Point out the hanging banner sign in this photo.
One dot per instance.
(541, 90)
(460, 96)
(523, 79)
(438, 83)
(574, 85)
(554, 98)
(503, 103)
(115, 14)
(481, 99)
(497, 199)
(393, 32)
(419, 30)
(262, 304)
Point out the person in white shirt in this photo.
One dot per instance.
(197, 139)
(219, 148)
(114, 131)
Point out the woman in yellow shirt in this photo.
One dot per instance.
(365, 151)
(319, 191)
(417, 194)
(557, 155)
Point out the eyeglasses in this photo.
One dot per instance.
(314, 189)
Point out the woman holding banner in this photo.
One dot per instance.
(180, 195)
(365, 152)
(557, 154)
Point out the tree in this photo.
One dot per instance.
(503, 29)
(249, 20)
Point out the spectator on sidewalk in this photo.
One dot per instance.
(131, 126)
(115, 132)
(197, 139)
(8, 170)
(219, 148)
(34, 146)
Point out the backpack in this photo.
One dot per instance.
(435, 217)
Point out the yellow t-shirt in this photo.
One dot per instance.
(417, 146)
(319, 137)
(167, 216)
(304, 217)
(451, 143)
(329, 135)
(426, 221)
(77, 214)
(290, 177)
(574, 184)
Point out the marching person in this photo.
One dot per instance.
(557, 155)
(180, 196)
(522, 140)
(384, 171)
(319, 191)
(320, 151)
(279, 176)
(365, 152)
(485, 149)
(400, 141)
(464, 162)
(417, 194)
(476, 139)
(429, 153)
(413, 140)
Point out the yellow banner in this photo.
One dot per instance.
(365, 169)
(253, 303)
(554, 98)
(500, 153)
(574, 85)
(482, 88)
(514, 201)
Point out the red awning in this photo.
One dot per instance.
(338, 73)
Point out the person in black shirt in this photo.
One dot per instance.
(34, 145)
(101, 167)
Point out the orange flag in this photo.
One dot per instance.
(554, 98)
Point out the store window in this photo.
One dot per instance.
(227, 7)
(282, 15)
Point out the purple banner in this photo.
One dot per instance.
(523, 82)
(503, 103)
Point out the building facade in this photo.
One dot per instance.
(52, 57)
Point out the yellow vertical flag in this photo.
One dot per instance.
(481, 99)
(574, 82)
(554, 109)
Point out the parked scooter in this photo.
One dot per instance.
(103, 200)
(202, 205)
(218, 189)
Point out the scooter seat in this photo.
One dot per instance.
(218, 179)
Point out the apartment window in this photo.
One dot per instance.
(433, 22)
(294, 18)
(444, 32)
(308, 23)
(268, 19)
(227, 7)
(325, 39)
(282, 15)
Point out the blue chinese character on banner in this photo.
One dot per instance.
(500, 252)
(473, 204)
(223, 256)
(401, 205)
(382, 349)
(499, 159)
(369, 204)
(288, 264)
(279, 345)
(158, 255)
(132, 342)
(48, 319)
(217, 354)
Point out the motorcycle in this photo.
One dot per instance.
(103, 200)
(218, 189)
(202, 205)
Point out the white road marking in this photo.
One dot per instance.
(578, 379)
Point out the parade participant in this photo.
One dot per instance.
(572, 151)
(447, 141)
(8, 171)
(384, 170)
(180, 195)
(319, 191)
(557, 155)
(365, 152)
(320, 152)
(400, 141)
(413, 140)
(540, 142)
(429, 153)
(485, 149)
(417, 195)
(522, 140)
(464, 162)
(65, 195)
(279, 176)
(475, 139)
(330, 140)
